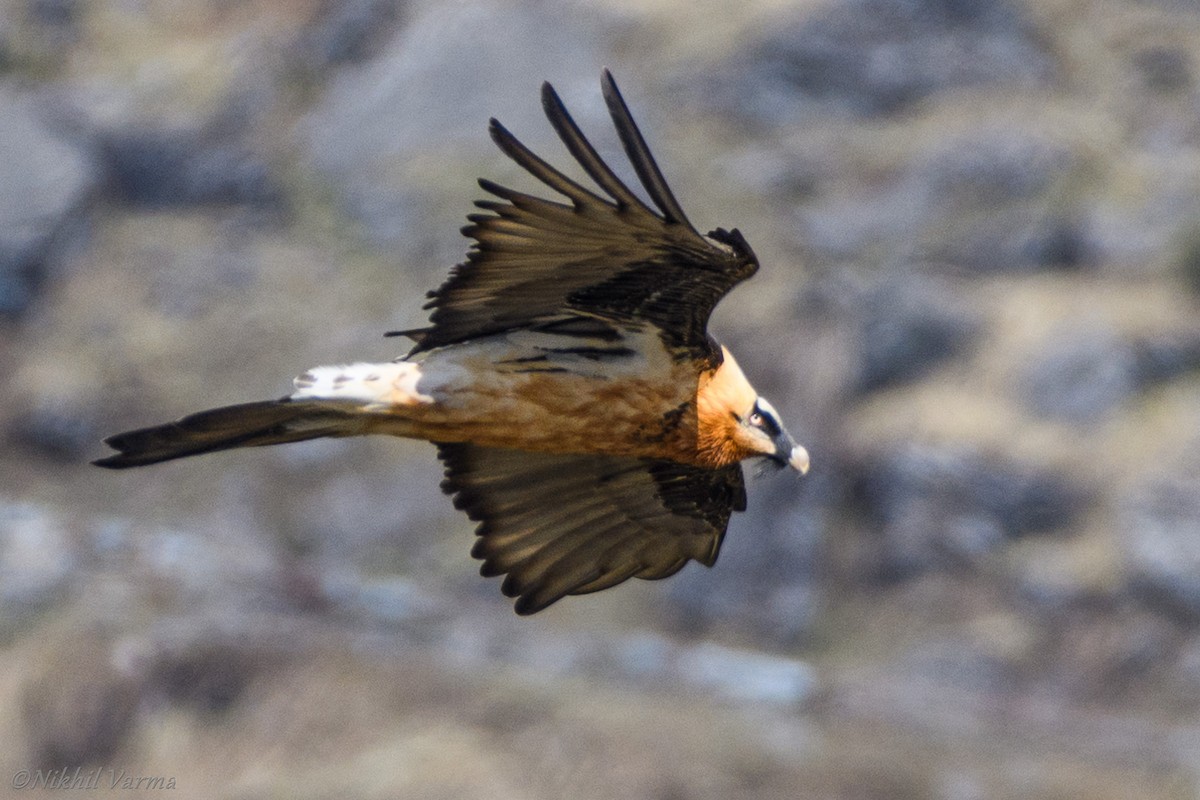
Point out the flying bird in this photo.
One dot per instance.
(585, 418)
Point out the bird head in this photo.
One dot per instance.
(760, 432)
(735, 423)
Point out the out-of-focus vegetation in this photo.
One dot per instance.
(978, 306)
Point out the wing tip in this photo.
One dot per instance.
(549, 94)
(608, 84)
(734, 240)
(115, 461)
(528, 605)
(555, 109)
(124, 444)
(501, 135)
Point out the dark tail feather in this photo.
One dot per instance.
(245, 425)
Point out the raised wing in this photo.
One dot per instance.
(572, 524)
(607, 255)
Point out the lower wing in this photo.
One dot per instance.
(558, 524)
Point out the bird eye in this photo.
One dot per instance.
(756, 419)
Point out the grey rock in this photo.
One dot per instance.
(54, 13)
(908, 326)
(348, 32)
(1009, 239)
(1163, 69)
(991, 165)
(747, 675)
(881, 56)
(1080, 375)
(391, 599)
(982, 200)
(985, 201)
(1161, 539)
(936, 506)
(1165, 357)
(1188, 258)
(896, 328)
(80, 705)
(45, 182)
(162, 168)
(37, 560)
(425, 98)
(45, 33)
(56, 428)
(1152, 228)
(208, 676)
(1085, 373)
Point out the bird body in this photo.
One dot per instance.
(584, 416)
(545, 392)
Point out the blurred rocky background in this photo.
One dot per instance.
(979, 222)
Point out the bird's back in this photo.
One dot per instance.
(620, 394)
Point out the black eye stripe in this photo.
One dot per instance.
(769, 423)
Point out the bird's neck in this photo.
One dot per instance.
(723, 396)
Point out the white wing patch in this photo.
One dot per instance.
(381, 385)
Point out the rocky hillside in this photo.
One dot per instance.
(979, 307)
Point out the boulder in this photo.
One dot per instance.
(875, 57)
(46, 180)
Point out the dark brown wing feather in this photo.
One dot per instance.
(572, 524)
(536, 260)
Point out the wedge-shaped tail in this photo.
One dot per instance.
(244, 425)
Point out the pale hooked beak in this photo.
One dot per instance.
(799, 460)
(789, 453)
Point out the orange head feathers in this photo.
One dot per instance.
(734, 423)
